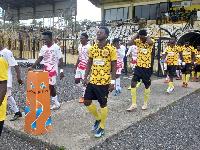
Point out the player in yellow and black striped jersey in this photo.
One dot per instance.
(197, 61)
(3, 89)
(172, 60)
(187, 52)
(143, 66)
(102, 58)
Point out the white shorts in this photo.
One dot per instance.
(80, 74)
(119, 71)
(179, 62)
(133, 66)
(165, 66)
(9, 91)
(52, 80)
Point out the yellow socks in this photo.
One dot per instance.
(133, 94)
(198, 74)
(193, 72)
(187, 78)
(147, 92)
(92, 108)
(170, 84)
(183, 78)
(103, 117)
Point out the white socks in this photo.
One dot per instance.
(178, 73)
(118, 84)
(82, 88)
(12, 104)
(55, 101)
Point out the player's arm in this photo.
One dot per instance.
(61, 68)
(18, 75)
(37, 62)
(132, 41)
(114, 69)
(89, 65)
(3, 90)
(149, 41)
(77, 62)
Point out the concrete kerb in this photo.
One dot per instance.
(80, 118)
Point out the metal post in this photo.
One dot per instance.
(33, 48)
(65, 52)
(9, 44)
(21, 47)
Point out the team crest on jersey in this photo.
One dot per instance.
(105, 52)
(42, 85)
(31, 85)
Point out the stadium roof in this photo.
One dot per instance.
(101, 2)
(26, 9)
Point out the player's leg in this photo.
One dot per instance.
(183, 76)
(198, 72)
(89, 96)
(52, 82)
(101, 92)
(78, 77)
(166, 72)
(171, 70)
(188, 65)
(133, 64)
(117, 82)
(193, 72)
(133, 91)
(146, 78)
(12, 103)
(1, 126)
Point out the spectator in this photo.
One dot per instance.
(182, 10)
(167, 16)
(194, 14)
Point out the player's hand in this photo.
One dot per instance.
(111, 87)
(20, 81)
(85, 82)
(74, 71)
(30, 68)
(61, 75)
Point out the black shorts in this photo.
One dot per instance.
(142, 73)
(171, 70)
(197, 69)
(187, 68)
(1, 126)
(97, 92)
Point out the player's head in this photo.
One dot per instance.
(198, 47)
(187, 42)
(142, 35)
(173, 39)
(47, 38)
(179, 44)
(103, 33)
(115, 42)
(84, 38)
(168, 43)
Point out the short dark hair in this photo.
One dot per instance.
(173, 36)
(115, 40)
(85, 35)
(187, 40)
(106, 30)
(143, 32)
(48, 33)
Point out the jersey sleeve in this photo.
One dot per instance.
(167, 50)
(11, 59)
(137, 42)
(113, 54)
(91, 52)
(88, 48)
(41, 52)
(193, 50)
(58, 52)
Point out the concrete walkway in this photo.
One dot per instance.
(72, 124)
